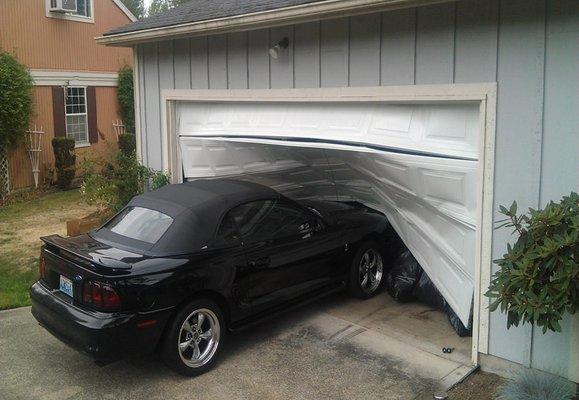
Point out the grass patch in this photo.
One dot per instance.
(21, 226)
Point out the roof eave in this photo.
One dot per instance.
(282, 16)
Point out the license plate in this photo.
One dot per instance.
(66, 286)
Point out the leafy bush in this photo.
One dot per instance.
(532, 385)
(15, 100)
(65, 160)
(125, 96)
(111, 185)
(158, 179)
(127, 143)
(538, 280)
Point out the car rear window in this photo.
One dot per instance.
(140, 223)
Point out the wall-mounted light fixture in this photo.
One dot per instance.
(276, 50)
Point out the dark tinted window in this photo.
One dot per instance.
(268, 219)
(140, 224)
(227, 230)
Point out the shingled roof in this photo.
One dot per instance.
(204, 10)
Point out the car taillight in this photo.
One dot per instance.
(42, 266)
(100, 296)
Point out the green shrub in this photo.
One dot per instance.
(158, 179)
(111, 185)
(538, 280)
(127, 143)
(64, 160)
(532, 385)
(125, 96)
(15, 100)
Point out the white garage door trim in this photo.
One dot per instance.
(485, 94)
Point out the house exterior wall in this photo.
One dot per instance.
(50, 44)
(40, 42)
(107, 111)
(529, 47)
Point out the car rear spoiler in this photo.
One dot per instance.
(84, 257)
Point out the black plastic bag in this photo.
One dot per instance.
(427, 293)
(457, 324)
(393, 246)
(403, 277)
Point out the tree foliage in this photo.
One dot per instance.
(110, 185)
(538, 280)
(125, 96)
(137, 7)
(64, 160)
(15, 100)
(159, 6)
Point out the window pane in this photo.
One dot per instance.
(83, 7)
(268, 219)
(140, 224)
(76, 125)
(76, 128)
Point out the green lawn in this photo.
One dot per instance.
(21, 226)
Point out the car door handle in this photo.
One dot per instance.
(262, 262)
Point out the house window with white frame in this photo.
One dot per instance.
(83, 8)
(76, 115)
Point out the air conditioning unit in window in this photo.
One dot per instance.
(63, 6)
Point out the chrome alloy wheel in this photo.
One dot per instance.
(370, 270)
(199, 338)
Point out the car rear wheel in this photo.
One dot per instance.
(366, 271)
(195, 338)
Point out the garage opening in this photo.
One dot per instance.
(418, 162)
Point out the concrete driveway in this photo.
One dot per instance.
(339, 348)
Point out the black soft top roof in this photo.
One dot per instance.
(196, 208)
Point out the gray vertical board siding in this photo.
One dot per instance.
(166, 79)
(217, 53)
(166, 66)
(258, 59)
(199, 63)
(237, 60)
(398, 47)
(142, 103)
(435, 44)
(365, 50)
(557, 352)
(182, 60)
(560, 168)
(521, 54)
(282, 68)
(307, 55)
(476, 41)
(334, 53)
(152, 150)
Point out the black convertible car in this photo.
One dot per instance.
(180, 267)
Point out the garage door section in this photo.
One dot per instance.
(416, 163)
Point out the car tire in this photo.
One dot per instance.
(190, 348)
(367, 271)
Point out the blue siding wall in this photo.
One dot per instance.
(530, 47)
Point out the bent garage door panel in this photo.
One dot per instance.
(415, 163)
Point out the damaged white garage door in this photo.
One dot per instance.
(416, 163)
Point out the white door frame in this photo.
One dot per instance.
(484, 94)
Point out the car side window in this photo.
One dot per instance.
(268, 219)
(227, 230)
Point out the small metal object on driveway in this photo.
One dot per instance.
(440, 396)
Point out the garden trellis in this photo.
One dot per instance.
(34, 147)
(119, 127)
